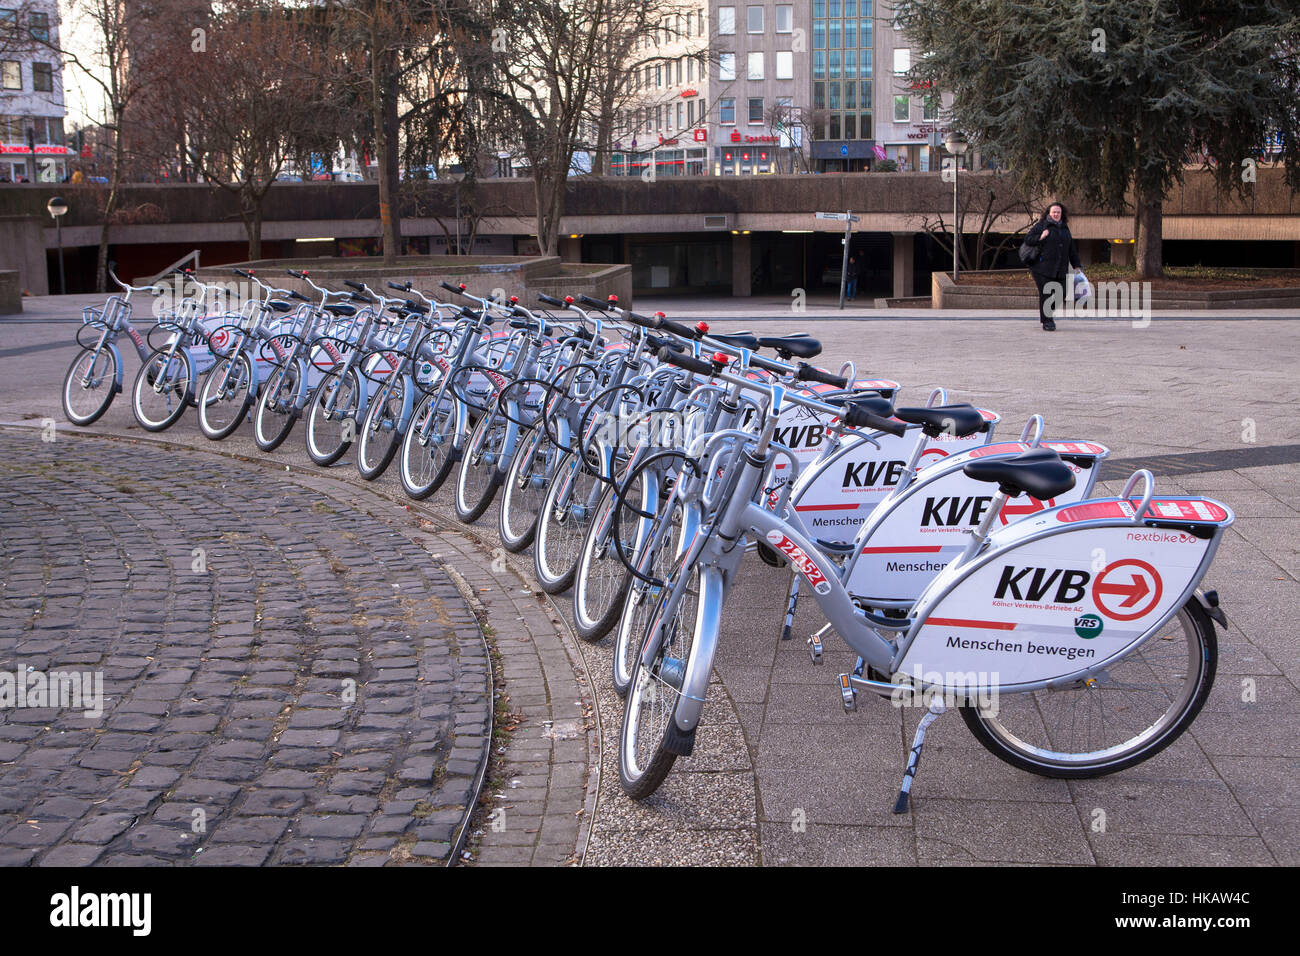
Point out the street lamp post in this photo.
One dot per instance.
(956, 144)
(57, 207)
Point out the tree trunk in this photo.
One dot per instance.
(392, 141)
(110, 207)
(253, 226)
(378, 116)
(1150, 236)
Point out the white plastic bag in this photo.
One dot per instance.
(1082, 287)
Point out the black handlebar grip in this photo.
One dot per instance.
(397, 288)
(642, 320)
(550, 299)
(417, 307)
(676, 328)
(860, 415)
(594, 303)
(299, 296)
(688, 362)
(451, 288)
(356, 297)
(241, 272)
(809, 373)
(353, 284)
(296, 275)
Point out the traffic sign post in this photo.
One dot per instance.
(848, 219)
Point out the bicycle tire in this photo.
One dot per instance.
(601, 581)
(480, 467)
(323, 446)
(642, 598)
(176, 396)
(105, 381)
(379, 443)
(520, 505)
(277, 410)
(425, 463)
(209, 405)
(560, 532)
(1004, 729)
(648, 738)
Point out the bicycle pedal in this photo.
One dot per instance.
(848, 696)
(815, 649)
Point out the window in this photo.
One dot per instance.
(50, 131)
(688, 24)
(40, 27)
(679, 72)
(11, 129)
(864, 128)
(755, 110)
(902, 109)
(784, 18)
(819, 65)
(930, 108)
(700, 23)
(8, 23)
(834, 104)
(726, 20)
(819, 34)
(756, 66)
(690, 112)
(819, 96)
(754, 19)
(690, 70)
(850, 126)
(659, 75)
(850, 64)
(784, 65)
(727, 111)
(726, 66)
(42, 78)
(12, 72)
(902, 60)
(680, 111)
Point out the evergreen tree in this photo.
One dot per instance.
(1110, 100)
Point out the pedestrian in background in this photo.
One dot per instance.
(1057, 252)
(851, 279)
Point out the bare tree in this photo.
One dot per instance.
(986, 201)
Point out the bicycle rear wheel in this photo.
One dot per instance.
(601, 580)
(481, 469)
(331, 433)
(643, 597)
(89, 386)
(1135, 710)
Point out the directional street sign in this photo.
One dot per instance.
(837, 216)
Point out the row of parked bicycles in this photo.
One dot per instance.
(640, 459)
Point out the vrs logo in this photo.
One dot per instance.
(1070, 585)
(868, 474)
(1087, 626)
(960, 511)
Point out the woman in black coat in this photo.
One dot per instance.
(1056, 253)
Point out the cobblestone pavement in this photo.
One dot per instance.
(285, 679)
(781, 775)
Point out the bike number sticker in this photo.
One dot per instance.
(804, 564)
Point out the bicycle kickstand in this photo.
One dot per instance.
(937, 708)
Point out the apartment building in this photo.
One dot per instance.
(766, 87)
(32, 145)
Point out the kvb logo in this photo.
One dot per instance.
(873, 474)
(800, 437)
(1011, 511)
(1033, 584)
(955, 511)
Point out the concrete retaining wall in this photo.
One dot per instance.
(945, 294)
(22, 249)
(11, 293)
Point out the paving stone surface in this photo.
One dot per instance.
(231, 641)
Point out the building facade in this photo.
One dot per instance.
(745, 88)
(32, 143)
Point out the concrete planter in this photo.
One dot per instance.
(945, 294)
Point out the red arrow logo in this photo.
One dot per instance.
(1136, 591)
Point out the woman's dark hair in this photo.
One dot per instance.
(1065, 213)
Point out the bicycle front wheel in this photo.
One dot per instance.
(481, 470)
(89, 386)
(525, 490)
(276, 408)
(1135, 710)
(429, 446)
(331, 431)
(226, 396)
(163, 390)
(381, 431)
(646, 751)
(562, 524)
(601, 581)
(664, 546)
